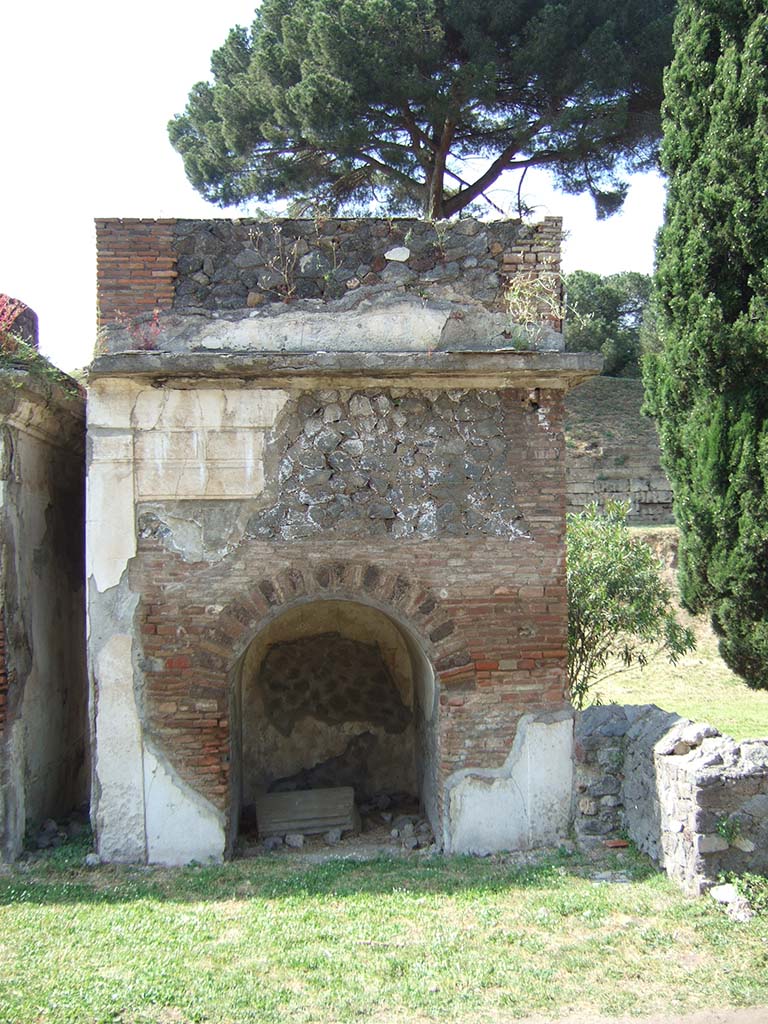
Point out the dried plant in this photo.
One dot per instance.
(280, 256)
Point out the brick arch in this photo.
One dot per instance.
(188, 692)
(408, 603)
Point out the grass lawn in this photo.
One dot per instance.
(412, 940)
(700, 686)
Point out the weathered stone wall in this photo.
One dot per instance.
(325, 710)
(3, 676)
(342, 411)
(612, 451)
(177, 600)
(693, 800)
(400, 463)
(205, 265)
(43, 690)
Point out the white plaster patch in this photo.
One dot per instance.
(181, 825)
(206, 408)
(202, 443)
(110, 527)
(402, 325)
(119, 811)
(523, 805)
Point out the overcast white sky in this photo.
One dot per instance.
(87, 89)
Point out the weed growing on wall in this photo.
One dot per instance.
(17, 355)
(534, 302)
(280, 257)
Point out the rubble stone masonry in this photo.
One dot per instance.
(185, 265)
(341, 413)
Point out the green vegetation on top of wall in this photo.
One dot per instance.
(20, 361)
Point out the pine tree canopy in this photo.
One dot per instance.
(333, 103)
(608, 315)
(708, 386)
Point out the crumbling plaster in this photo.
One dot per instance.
(522, 805)
(43, 726)
(359, 322)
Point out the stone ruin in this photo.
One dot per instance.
(692, 799)
(326, 511)
(44, 769)
(325, 518)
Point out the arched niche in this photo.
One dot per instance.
(336, 692)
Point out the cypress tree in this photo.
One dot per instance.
(708, 386)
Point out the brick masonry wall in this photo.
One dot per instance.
(135, 267)
(146, 265)
(490, 612)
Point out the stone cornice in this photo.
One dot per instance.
(488, 370)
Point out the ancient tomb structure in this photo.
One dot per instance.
(326, 528)
(43, 688)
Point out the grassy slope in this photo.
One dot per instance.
(606, 411)
(700, 686)
(449, 940)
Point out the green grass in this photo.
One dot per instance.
(700, 686)
(416, 940)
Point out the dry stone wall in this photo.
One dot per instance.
(695, 801)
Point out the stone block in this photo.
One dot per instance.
(712, 843)
(307, 812)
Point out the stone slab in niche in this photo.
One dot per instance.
(308, 811)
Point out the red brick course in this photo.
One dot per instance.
(490, 614)
(136, 267)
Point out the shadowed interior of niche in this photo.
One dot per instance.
(336, 693)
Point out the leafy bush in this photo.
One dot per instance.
(618, 604)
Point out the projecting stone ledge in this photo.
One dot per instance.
(559, 370)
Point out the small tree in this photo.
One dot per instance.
(618, 604)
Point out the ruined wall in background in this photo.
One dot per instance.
(43, 688)
(695, 801)
(612, 451)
